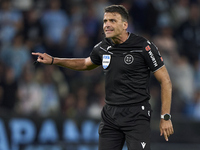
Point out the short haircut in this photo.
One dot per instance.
(118, 9)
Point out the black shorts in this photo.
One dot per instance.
(130, 123)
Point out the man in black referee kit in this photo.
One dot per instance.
(127, 60)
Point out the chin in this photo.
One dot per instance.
(108, 36)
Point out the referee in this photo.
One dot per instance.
(127, 60)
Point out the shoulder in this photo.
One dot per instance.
(137, 40)
(98, 45)
(102, 44)
(143, 41)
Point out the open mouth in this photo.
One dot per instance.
(108, 31)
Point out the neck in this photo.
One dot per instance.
(120, 39)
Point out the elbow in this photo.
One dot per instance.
(169, 83)
(166, 83)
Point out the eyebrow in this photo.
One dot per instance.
(109, 20)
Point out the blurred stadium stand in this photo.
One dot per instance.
(44, 99)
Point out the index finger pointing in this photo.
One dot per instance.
(166, 136)
(35, 53)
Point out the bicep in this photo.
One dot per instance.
(89, 64)
(162, 75)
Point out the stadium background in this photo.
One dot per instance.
(46, 107)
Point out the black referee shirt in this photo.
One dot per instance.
(127, 68)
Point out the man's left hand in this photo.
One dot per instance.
(166, 128)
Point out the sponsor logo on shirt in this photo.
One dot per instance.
(148, 49)
(106, 61)
(143, 144)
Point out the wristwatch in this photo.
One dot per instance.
(166, 116)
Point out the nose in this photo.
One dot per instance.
(106, 25)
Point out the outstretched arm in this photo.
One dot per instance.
(162, 76)
(78, 64)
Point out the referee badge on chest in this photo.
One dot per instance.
(128, 59)
(106, 61)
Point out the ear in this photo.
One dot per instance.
(125, 25)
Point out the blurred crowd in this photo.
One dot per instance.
(70, 28)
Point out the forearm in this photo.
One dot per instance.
(71, 63)
(166, 93)
(78, 64)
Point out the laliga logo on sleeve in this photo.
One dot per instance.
(128, 59)
(106, 61)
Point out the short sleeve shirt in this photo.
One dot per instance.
(127, 68)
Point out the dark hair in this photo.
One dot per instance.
(118, 9)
